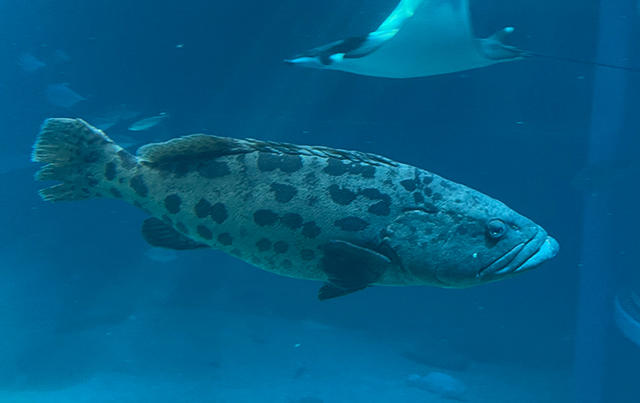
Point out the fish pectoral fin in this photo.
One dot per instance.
(494, 47)
(350, 268)
(329, 291)
(161, 235)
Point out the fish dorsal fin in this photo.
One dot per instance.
(194, 146)
(160, 235)
(319, 151)
(204, 146)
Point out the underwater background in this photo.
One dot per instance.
(90, 313)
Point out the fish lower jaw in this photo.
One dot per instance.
(522, 257)
(547, 250)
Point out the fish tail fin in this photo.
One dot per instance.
(76, 154)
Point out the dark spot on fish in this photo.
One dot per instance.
(307, 254)
(213, 169)
(115, 192)
(409, 184)
(291, 220)
(310, 229)
(265, 217)
(287, 264)
(203, 208)
(121, 180)
(341, 195)
(128, 161)
(137, 184)
(366, 171)
(182, 228)
(427, 180)
(335, 167)
(172, 203)
(204, 232)
(375, 194)
(219, 213)
(91, 156)
(110, 171)
(225, 239)
(436, 196)
(418, 197)
(427, 191)
(263, 245)
(461, 229)
(286, 163)
(351, 224)
(178, 167)
(446, 184)
(381, 208)
(280, 247)
(283, 193)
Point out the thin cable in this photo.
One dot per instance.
(527, 53)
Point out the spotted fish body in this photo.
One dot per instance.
(346, 218)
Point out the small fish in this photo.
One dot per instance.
(347, 218)
(113, 116)
(63, 96)
(30, 63)
(148, 123)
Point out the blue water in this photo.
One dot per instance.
(89, 314)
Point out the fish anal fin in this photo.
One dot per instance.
(350, 268)
(161, 235)
(194, 146)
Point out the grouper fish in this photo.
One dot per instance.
(346, 218)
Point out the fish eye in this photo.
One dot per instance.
(496, 228)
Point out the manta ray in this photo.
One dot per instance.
(419, 38)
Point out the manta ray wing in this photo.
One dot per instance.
(419, 38)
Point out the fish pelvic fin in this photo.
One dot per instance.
(78, 155)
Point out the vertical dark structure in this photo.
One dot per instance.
(597, 274)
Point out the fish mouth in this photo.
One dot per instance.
(524, 256)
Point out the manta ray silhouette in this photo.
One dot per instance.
(420, 38)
